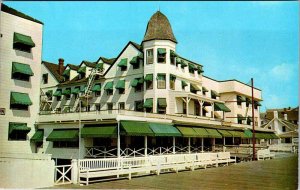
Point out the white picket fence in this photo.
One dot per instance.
(111, 168)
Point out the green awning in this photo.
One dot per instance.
(137, 81)
(96, 88)
(195, 87)
(75, 90)
(120, 84)
(83, 88)
(237, 133)
(201, 132)
(248, 133)
(82, 69)
(57, 92)
(260, 136)
(240, 117)
(23, 39)
(136, 128)
(241, 98)
(15, 127)
(178, 60)
(248, 101)
(63, 135)
(49, 93)
(161, 76)
(135, 60)
(21, 68)
(162, 102)
(109, 85)
(213, 133)
(99, 66)
(38, 136)
(183, 83)
(214, 93)
(225, 133)
(164, 130)
(183, 63)
(67, 72)
(249, 119)
(20, 98)
(173, 54)
(94, 132)
(273, 136)
(161, 51)
(187, 131)
(149, 77)
(123, 62)
(192, 66)
(257, 103)
(221, 107)
(204, 89)
(148, 103)
(172, 77)
(200, 69)
(66, 91)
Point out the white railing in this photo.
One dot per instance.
(62, 174)
(128, 152)
(160, 150)
(101, 152)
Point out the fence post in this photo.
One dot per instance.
(75, 171)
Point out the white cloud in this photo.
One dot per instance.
(283, 71)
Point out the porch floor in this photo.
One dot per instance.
(279, 173)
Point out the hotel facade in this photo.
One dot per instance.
(146, 100)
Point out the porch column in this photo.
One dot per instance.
(223, 144)
(202, 144)
(173, 145)
(214, 144)
(189, 145)
(146, 145)
(74, 171)
(213, 110)
(187, 106)
(119, 143)
(201, 107)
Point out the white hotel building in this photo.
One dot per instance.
(146, 100)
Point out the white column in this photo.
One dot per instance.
(146, 145)
(173, 145)
(187, 106)
(201, 107)
(213, 110)
(119, 141)
(202, 144)
(214, 144)
(189, 145)
(74, 171)
(223, 144)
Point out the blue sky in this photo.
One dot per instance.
(232, 40)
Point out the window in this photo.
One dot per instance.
(81, 75)
(18, 107)
(139, 105)
(137, 65)
(109, 106)
(139, 88)
(255, 105)
(283, 129)
(121, 91)
(149, 85)
(68, 95)
(161, 105)
(183, 107)
(121, 106)
(19, 101)
(248, 101)
(197, 108)
(20, 76)
(240, 119)
(123, 68)
(98, 107)
(45, 78)
(172, 82)
(97, 93)
(172, 57)
(239, 100)
(58, 98)
(149, 58)
(161, 55)
(22, 47)
(109, 92)
(18, 131)
(22, 42)
(65, 144)
(161, 81)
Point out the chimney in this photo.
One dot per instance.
(60, 66)
(285, 116)
(276, 114)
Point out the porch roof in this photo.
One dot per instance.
(164, 130)
(187, 131)
(136, 128)
(63, 135)
(96, 131)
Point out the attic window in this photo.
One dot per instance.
(161, 55)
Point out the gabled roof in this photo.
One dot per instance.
(107, 60)
(73, 67)
(54, 70)
(137, 46)
(12, 11)
(75, 80)
(89, 64)
(288, 124)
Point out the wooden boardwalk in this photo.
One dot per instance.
(278, 173)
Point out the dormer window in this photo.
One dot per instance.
(161, 55)
(66, 74)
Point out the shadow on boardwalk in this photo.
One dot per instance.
(280, 173)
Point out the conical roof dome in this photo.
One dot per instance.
(159, 28)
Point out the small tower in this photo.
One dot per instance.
(158, 42)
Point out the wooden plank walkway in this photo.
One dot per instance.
(278, 173)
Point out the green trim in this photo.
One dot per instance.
(221, 107)
(213, 133)
(75, 90)
(123, 62)
(57, 93)
(201, 132)
(164, 130)
(162, 102)
(21, 68)
(63, 135)
(18, 127)
(173, 54)
(187, 131)
(149, 77)
(120, 84)
(66, 91)
(248, 133)
(96, 87)
(148, 103)
(23, 39)
(225, 133)
(97, 131)
(82, 70)
(109, 85)
(136, 128)
(20, 98)
(38, 136)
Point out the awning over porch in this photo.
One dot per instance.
(99, 131)
(187, 131)
(213, 133)
(201, 132)
(164, 130)
(63, 135)
(225, 133)
(136, 128)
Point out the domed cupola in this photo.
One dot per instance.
(159, 28)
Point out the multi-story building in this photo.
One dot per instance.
(20, 49)
(146, 99)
